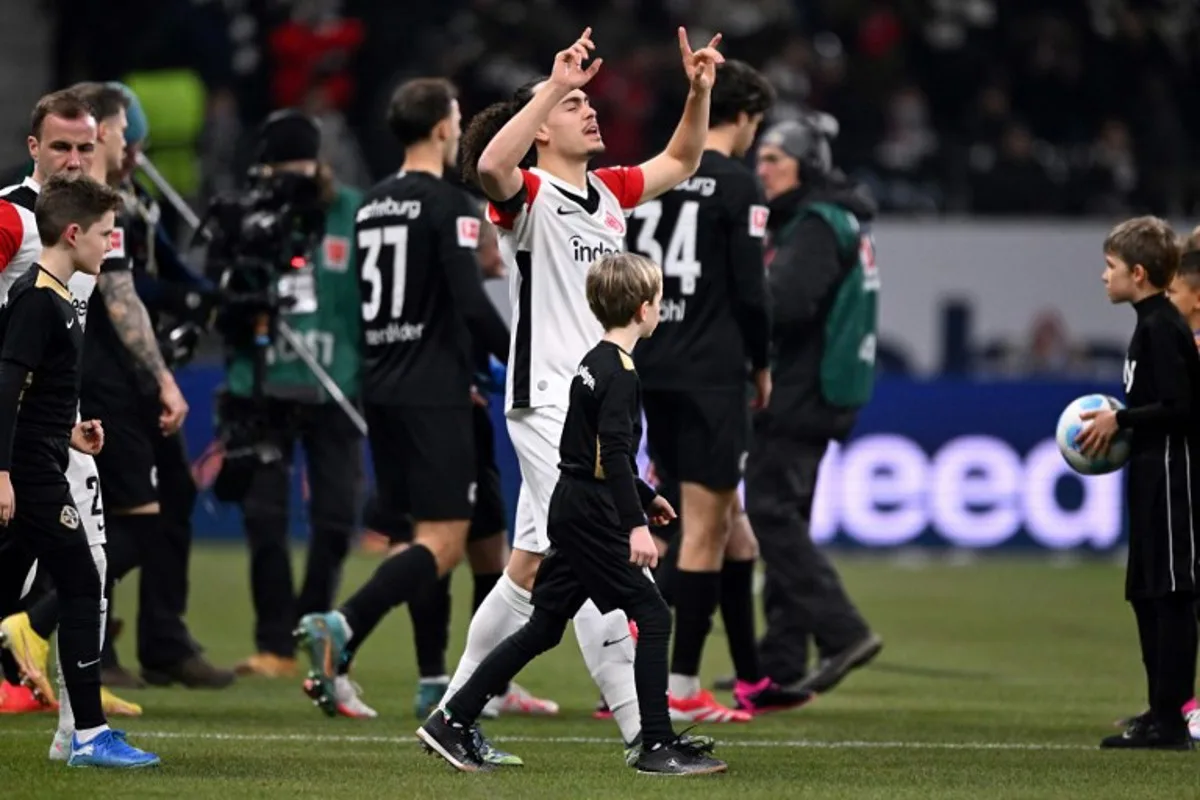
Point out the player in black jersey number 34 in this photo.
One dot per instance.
(600, 543)
(41, 344)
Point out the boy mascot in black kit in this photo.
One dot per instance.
(1162, 389)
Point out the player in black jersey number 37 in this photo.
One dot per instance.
(41, 344)
(423, 309)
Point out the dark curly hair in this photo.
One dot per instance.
(486, 124)
(739, 88)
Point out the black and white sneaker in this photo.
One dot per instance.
(684, 756)
(1145, 733)
(456, 743)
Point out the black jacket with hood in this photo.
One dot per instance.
(804, 273)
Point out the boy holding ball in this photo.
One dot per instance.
(1162, 390)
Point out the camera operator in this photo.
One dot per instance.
(824, 289)
(325, 314)
(148, 488)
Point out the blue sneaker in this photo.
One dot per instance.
(109, 749)
(323, 637)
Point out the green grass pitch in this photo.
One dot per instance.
(998, 679)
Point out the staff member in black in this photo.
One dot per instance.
(823, 285)
(1162, 392)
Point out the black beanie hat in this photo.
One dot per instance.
(288, 135)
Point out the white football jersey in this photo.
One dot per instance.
(20, 245)
(548, 243)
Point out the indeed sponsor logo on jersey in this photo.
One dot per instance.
(585, 253)
(705, 187)
(387, 207)
(395, 333)
(585, 375)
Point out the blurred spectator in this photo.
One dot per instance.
(1016, 179)
(944, 105)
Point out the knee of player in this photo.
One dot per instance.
(447, 541)
(488, 555)
(742, 545)
(546, 628)
(522, 568)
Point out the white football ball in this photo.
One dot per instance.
(1070, 425)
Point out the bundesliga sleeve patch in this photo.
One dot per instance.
(116, 243)
(468, 232)
(758, 221)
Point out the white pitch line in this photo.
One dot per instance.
(815, 744)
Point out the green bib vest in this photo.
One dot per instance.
(848, 360)
(327, 318)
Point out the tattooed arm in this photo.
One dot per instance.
(131, 321)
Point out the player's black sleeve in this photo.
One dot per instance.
(615, 432)
(466, 283)
(803, 272)
(12, 380)
(28, 330)
(646, 493)
(747, 276)
(1172, 408)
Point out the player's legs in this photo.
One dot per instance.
(698, 438)
(558, 594)
(603, 639)
(737, 597)
(265, 516)
(18, 568)
(805, 595)
(24, 638)
(83, 476)
(488, 552)
(333, 454)
(599, 556)
(75, 567)
(436, 482)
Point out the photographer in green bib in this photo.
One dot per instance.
(824, 290)
(323, 309)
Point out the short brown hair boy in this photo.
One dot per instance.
(618, 284)
(64, 201)
(1149, 242)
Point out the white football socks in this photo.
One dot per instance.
(607, 646)
(501, 614)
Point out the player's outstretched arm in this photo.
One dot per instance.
(499, 164)
(681, 159)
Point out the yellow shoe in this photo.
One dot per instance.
(115, 706)
(31, 652)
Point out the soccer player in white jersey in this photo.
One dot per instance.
(530, 156)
